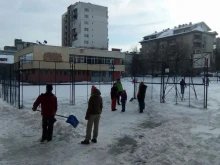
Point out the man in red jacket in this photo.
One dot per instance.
(48, 103)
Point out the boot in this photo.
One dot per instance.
(85, 142)
(94, 140)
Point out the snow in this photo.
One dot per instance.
(166, 34)
(198, 28)
(166, 133)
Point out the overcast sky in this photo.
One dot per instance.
(129, 20)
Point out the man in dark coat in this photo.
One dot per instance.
(48, 103)
(114, 96)
(93, 115)
(120, 89)
(182, 86)
(141, 96)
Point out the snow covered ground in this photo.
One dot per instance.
(166, 133)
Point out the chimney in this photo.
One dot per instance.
(179, 26)
(174, 27)
(190, 23)
(155, 31)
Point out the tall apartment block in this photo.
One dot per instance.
(85, 25)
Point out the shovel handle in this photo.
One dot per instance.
(56, 114)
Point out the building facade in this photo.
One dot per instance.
(85, 25)
(197, 38)
(49, 64)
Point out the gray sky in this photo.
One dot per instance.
(129, 20)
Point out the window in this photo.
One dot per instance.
(86, 9)
(86, 35)
(71, 58)
(79, 72)
(86, 42)
(86, 16)
(84, 72)
(121, 61)
(3, 59)
(196, 44)
(104, 74)
(198, 37)
(86, 22)
(86, 29)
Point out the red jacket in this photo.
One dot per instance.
(48, 103)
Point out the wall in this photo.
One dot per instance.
(9, 59)
(38, 57)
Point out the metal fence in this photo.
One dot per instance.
(171, 72)
(10, 84)
(18, 79)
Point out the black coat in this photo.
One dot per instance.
(141, 93)
(114, 92)
(182, 83)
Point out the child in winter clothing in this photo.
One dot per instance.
(123, 100)
(92, 89)
(114, 94)
(141, 96)
(182, 86)
(120, 89)
(93, 115)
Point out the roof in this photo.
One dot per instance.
(201, 26)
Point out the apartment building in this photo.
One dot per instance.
(197, 37)
(85, 25)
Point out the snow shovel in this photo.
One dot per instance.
(72, 120)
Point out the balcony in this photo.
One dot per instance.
(75, 15)
(197, 40)
(75, 38)
(74, 32)
(197, 45)
(172, 44)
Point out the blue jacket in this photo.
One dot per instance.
(123, 97)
